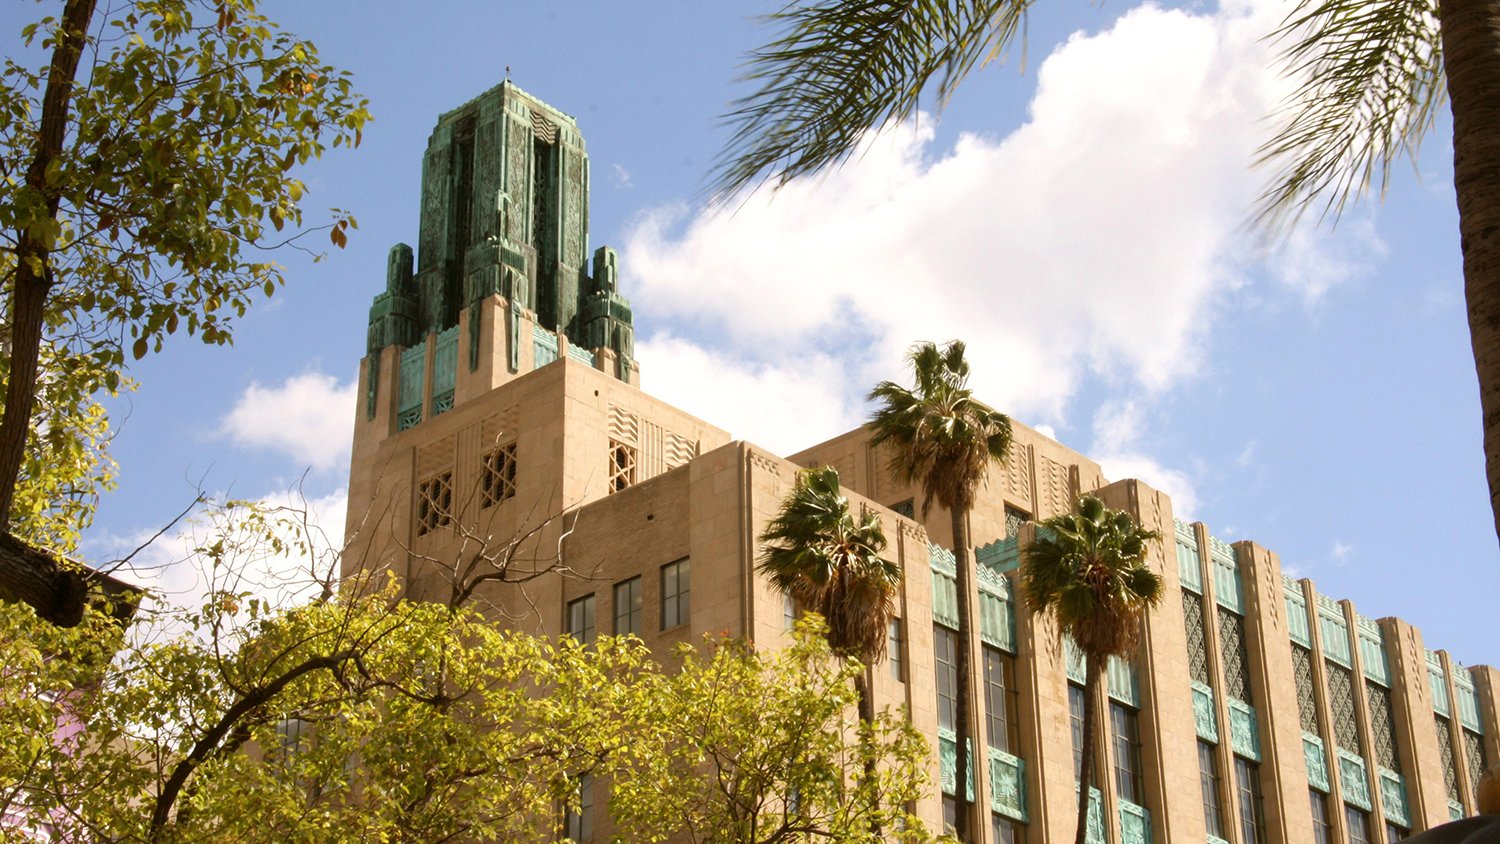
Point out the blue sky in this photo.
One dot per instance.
(1077, 221)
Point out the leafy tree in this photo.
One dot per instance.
(944, 439)
(1371, 75)
(753, 747)
(358, 716)
(817, 553)
(1089, 571)
(143, 166)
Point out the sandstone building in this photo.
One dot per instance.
(500, 423)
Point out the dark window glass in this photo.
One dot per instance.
(904, 508)
(1006, 831)
(944, 644)
(1075, 717)
(1001, 700)
(894, 651)
(1322, 830)
(628, 607)
(1358, 824)
(581, 619)
(581, 822)
(1125, 729)
(1208, 780)
(1394, 833)
(1252, 804)
(674, 594)
(950, 815)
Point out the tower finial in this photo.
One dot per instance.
(507, 73)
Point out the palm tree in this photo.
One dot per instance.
(829, 562)
(1089, 570)
(1373, 74)
(944, 439)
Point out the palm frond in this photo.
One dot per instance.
(1371, 81)
(839, 68)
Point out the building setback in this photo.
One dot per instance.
(503, 447)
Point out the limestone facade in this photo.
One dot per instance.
(1256, 710)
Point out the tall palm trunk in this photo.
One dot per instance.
(967, 829)
(1471, 61)
(1085, 769)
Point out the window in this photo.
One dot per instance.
(1208, 780)
(1394, 833)
(1322, 831)
(1014, 518)
(1252, 803)
(893, 651)
(674, 594)
(498, 478)
(1358, 823)
(950, 814)
(628, 607)
(581, 822)
(621, 466)
(905, 508)
(944, 647)
(1075, 717)
(1125, 727)
(1001, 700)
(1006, 831)
(434, 503)
(788, 612)
(581, 620)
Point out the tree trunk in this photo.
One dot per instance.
(30, 576)
(1471, 62)
(864, 687)
(1085, 770)
(967, 829)
(33, 277)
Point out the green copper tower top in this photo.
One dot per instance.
(505, 191)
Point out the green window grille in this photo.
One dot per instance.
(1439, 683)
(1204, 719)
(1007, 784)
(944, 599)
(1445, 751)
(948, 762)
(1467, 700)
(1297, 625)
(1074, 661)
(1316, 760)
(1354, 780)
(409, 395)
(997, 624)
(1474, 756)
(1192, 620)
(1227, 590)
(1135, 823)
(1307, 706)
(1341, 702)
(1335, 632)
(1235, 658)
(1188, 567)
(444, 370)
(1382, 727)
(544, 347)
(1121, 681)
(1372, 651)
(1393, 798)
(905, 508)
(1244, 731)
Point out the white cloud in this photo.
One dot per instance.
(1340, 552)
(1118, 427)
(171, 566)
(309, 417)
(1246, 455)
(1095, 241)
(621, 177)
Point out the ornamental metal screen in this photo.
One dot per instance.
(1381, 720)
(1341, 701)
(1236, 660)
(1445, 748)
(1192, 620)
(1307, 706)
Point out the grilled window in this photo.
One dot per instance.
(1383, 733)
(1445, 749)
(1236, 660)
(434, 503)
(621, 466)
(905, 508)
(1192, 615)
(1307, 707)
(1341, 701)
(1013, 520)
(498, 478)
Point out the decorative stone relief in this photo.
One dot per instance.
(1393, 797)
(1354, 780)
(1135, 823)
(1316, 760)
(1203, 712)
(948, 762)
(1007, 784)
(1244, 734)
